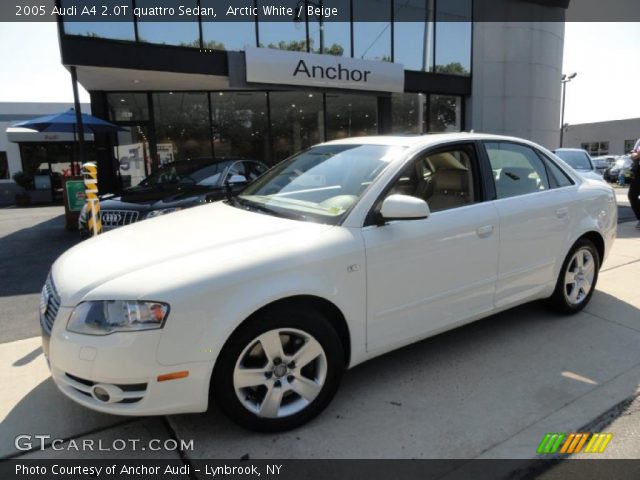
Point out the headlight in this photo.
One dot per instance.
(108, 316)
(157, 213)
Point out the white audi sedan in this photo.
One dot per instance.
(343, 252)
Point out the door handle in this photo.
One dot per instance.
(562, 212)
(484, 231)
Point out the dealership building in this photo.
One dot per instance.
(614, 137)
(265, 89)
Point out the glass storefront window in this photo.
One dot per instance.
(413, 34)
(182, 125)
(351, 115)
(371, 39)
(329, 37)
(227, 35)
(297, 122)
(133, 155)
(335, 38)
(112, 30)
(445, 113)
(127, 107)
(240, 125)
(453, 37)
(183, 34)
(408, 112)
(234, 36)
(285, 35)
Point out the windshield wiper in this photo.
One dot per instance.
(249, 205)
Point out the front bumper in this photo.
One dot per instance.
(125, 364)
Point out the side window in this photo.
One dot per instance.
(238, 168)
(557, 177)
(443, 178)
(254, 170)
(517, 170)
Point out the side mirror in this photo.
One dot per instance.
(404, 207)
(235, 179)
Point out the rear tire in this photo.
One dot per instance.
(577, 279)
(257, 382)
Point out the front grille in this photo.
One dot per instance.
(49, 305)
(118, 218)
(132, 392)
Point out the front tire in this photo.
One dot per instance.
(278, 370)
(577, 279)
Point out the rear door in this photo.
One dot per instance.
(534, 221)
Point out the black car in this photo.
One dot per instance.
(175, 186)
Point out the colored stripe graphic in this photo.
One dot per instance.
(573, 443)
(550, 443)
(598, 442)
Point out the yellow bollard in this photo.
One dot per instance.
(90, 174)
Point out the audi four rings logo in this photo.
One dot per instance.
(111, 217)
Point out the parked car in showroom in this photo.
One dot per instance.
(622, 164)
(343, 252)
(173, 187)
(580, 161)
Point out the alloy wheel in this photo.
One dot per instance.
(280, 373)
(579, 276)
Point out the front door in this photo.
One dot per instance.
(426, 276)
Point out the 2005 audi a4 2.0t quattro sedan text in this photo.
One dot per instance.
(338, 254)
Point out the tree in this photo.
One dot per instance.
(454, 68)
(442, 112)
(209, 45)
(301, 46)
(335, 49)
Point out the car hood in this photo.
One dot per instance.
(153, 196)
(238, 235)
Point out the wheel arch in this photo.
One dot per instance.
(327, 308)
(597, 239)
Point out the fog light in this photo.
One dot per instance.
(100, 393)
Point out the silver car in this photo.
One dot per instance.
(580, 161)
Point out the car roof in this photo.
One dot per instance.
(570, 150)
(419, 140)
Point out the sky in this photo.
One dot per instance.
(605, 56)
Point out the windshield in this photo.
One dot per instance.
(320, 184)
(198, 172)
(577, 160)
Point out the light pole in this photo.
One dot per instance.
(565, 79)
